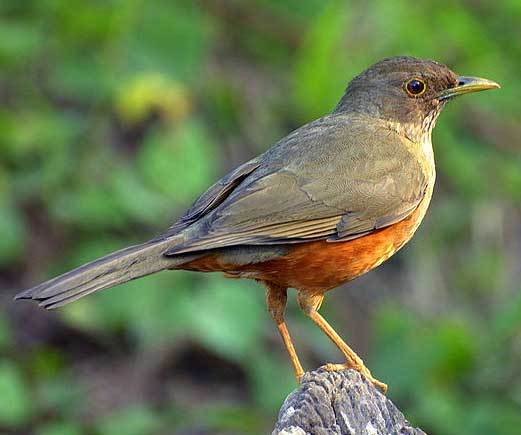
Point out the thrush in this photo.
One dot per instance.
(324, 205)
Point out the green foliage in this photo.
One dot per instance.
(115, 116)
(5, 332)
(12, 226)
(132, 421)
(186, 154)
(16, 400)
(60, 428)
(436, 369)
(316, 89)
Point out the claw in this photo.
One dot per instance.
(363, 370)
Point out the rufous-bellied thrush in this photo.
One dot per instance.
(327, 203)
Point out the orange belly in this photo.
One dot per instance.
(319, 266)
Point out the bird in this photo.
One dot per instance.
(332, 200)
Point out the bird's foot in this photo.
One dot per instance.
(363, 370)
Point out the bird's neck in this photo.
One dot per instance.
(421, 137)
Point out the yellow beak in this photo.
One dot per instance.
(466, 85)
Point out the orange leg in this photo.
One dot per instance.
(310, 305)
(276, 298)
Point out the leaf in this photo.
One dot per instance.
(228, 316)
(150, 93)
(179, 162)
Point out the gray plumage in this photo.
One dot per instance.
(342, 176)
(315, 184)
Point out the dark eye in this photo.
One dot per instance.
(415, 87)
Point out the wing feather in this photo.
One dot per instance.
(336, 179)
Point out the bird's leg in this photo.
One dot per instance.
(310, 304)
(276, 298)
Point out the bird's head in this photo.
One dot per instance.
(408, 91)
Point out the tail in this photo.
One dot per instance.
(113, 269)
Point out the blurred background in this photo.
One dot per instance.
(116, 114)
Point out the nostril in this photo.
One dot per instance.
(461, 83)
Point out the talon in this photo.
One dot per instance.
(380, 385)
(363, 370)
(332, 367)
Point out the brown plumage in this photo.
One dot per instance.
(327, 203)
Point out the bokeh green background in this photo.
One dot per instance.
(116, 114)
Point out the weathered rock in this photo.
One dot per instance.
(340, 403)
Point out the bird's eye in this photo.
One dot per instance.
(415, 87)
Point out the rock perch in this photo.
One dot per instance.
(340, 403)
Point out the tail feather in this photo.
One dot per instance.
(116, 268)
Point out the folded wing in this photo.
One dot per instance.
(334, 179)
